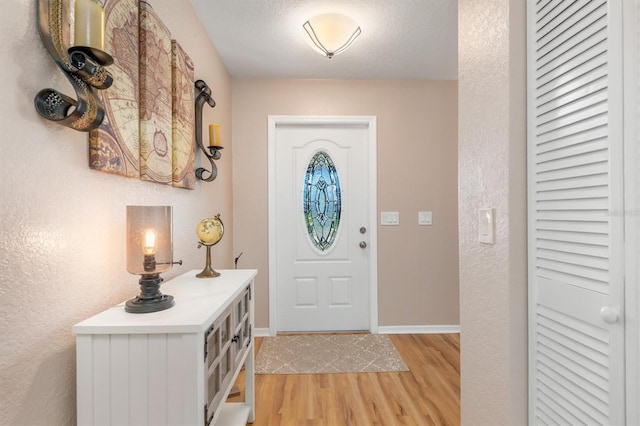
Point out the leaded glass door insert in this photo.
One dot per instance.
(322, 201)
(320, 274)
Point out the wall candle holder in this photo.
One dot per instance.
(203, 95)
(82, 65)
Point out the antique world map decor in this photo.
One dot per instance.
(156, 152)
(114, 146)
(183, 101)
(148, 130)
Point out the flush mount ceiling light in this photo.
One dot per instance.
(331, 33)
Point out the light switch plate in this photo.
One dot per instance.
(425, 218)
(389, 218)
(486, 226)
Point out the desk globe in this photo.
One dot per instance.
(210, 232)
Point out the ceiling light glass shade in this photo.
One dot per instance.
(331, 33)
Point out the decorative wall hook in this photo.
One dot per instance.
(83, 66)
(203, 94)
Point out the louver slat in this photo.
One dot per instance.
(574, 215)
(567, 247)
(573, 172)
(577, 281)
(583, 193)
(568, 105)
(570, 60)
(589, 404)
(556, 21)
(552, 348)
(574, 259)
(574, 83)
(578, 409)
(560, 268)
(574, 161)
(557, 408)
(592, 108)
(575, 385)
(572, 237)
(565, 13)
(572, 150)
(586, 60)
(569, 97)
(584, 181)
(592, 23)
(585, 378)
(558, 133)
(573, 226)
(579, 204)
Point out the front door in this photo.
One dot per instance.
(322, 225)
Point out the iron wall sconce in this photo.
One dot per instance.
(203, 95)
(83, 66)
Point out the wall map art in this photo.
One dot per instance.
(148, 130)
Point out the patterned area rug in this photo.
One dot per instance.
(328, 353)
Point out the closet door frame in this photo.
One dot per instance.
(631, 66)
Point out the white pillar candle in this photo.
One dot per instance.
(89, 24)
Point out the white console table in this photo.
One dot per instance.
(173, 367)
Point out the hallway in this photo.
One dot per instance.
(429, 394)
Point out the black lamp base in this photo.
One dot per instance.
(150, 299)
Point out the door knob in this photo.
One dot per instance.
(609, 315)
(363, 244)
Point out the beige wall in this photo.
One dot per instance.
(492, 173)
(417, 154)
(62, 224)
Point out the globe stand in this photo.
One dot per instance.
(208, 271)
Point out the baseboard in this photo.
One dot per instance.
(392, 329)
(419, 329)
(261, 332)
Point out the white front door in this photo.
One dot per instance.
(322, 225)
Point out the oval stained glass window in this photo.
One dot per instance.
(322, 200)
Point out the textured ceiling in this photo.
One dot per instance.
(401, 39)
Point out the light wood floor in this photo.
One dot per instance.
(427, 395)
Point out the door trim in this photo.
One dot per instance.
(368, 121)
(631, 82)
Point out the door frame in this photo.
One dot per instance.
(631, 82)
(370, 123)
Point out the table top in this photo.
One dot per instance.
(198, 302)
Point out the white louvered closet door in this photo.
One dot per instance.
(576, 282)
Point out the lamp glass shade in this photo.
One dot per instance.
(331, 33)
(149, 239)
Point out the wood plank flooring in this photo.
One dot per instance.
(429, 394)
